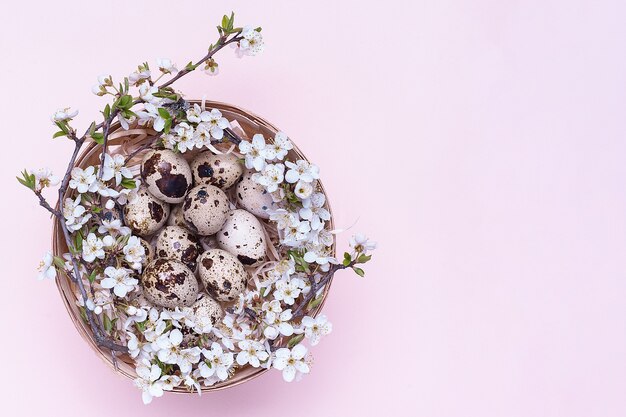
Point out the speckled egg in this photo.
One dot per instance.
(207, 312)
(253, 197)
(145, 215)
(149, 250)
(177, 243)
(205, 209)
(176, 217)
(167, 175)
(169, 283)
(242, 235)
(223, 276)
(219, 170)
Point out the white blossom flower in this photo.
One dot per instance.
(291, 362)
(92, 248)
(279, 149)
(277, 324)
(296, 232)
(361, 244)
(147, 91)
(196, 114)
(254, 152)
(44, 178)
(313, 210)
(83, 180)
(301, 170)
(46, 267)
(104, 81)
(166, 66)
(187, 358)
(303, 190)
(148, 381)
(134, 252)
(151, 113)
(169, 382)
(166, 346)
(317, 254)
(73, 214)
(104, 190)
(270, 177)
(315, 328)
(128, 195)
(251, 44)
(114, 167)
(252, 352)
(287, 290)
(202, 135)
(63, 115)
(184, 136)
(113, 226)
(216, 123)
(219, 360)
(126, 120)
(139, 76)
(120, 280)
(211, 67)
(283, 218)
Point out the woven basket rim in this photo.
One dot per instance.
(65, 286)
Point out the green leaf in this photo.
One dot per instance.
(125, 102)
(363, 258)
(108, 324)
(231, 22)
(92, 276)
(107, 111)
(346, 259)
(58, 134)
(295, 340)
(359, 271)
(98, 137)
(78, 244)
(224, 22)
(83, 313)
(59, 262)
(27, 180)
(164, 113)
(315, 302)
(129, 183)
(167, 126)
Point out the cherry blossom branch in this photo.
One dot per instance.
(316, 286)
(222, 42)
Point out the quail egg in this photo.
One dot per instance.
(177, 243)
(145, 214)
(169, 283)
(242, 235)
(176, 217)
(207, 312)
(254, 197)
(167, 175)
(219, 170)
(205, 209)
(224, 277)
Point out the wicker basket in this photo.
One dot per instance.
(125, 142)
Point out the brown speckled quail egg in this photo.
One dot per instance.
(219, 170)
(112, 214)
(177, 243)
(207, 312)
(253, 197)
(145, 214)
(149, 250)
(176, 217)
(169, 283)
(205, 209)
(224, 277)
(167, 175)
(242, 235)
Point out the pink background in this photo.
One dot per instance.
(482, 143)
